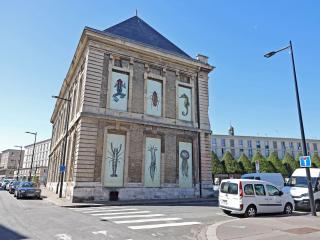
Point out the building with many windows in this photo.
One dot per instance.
(138, 121)
(9, 162)
(265, 145)
(40, 161)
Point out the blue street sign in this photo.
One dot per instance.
(305, 161)
(62, 168)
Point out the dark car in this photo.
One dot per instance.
(13, 186)
(27, 190)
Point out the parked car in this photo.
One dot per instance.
(13, 186)
(274, 178)
(27, 190)
(298, 188)
(251, 197)
(5, 183)
(8, 185)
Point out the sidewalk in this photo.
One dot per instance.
(62, 202)
(298, 226)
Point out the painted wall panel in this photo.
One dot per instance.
(152, 162)
(185, 165)
(119, 91)
(114, 162)
(184, 103)
(154, 98)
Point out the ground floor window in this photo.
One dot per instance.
(152, 162)
(185, 164)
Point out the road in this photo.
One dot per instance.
(40, 219)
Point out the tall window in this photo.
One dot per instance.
(231, 142)
(223, 142)
(275, 144)
(315, 147)
(119, 91)
(258, 144)
(240, 142)
(154, 98)
(249, 144)
(184, 98)
(214, 142)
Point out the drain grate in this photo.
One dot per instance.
(301, 231)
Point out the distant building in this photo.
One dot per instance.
(9, 162)
(139, 125)
(249, 145)
(40, 161)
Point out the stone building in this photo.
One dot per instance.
(40, 161)
(9, 162)
(237, 144)
(138, 123)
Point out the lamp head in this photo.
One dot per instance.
(270, 54)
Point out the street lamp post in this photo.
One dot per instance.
(304, 145)
(34, 145)
(19, 161)
(65, 142)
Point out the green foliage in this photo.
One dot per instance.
(246, 164)
(277, 163)
(265, 165)
(217, 165)
(290, 163)
(315, 160)
(231, 165)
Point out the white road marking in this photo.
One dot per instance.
(162, 225)
(112, 210)
(148, 220)
(212, 230)
(95, 208)
(235, 226)
(119, 213)
(100, 232)
(133, 216)
(224, 215)
(63, 236)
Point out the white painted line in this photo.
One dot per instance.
(212, 230)
(63, 236)
(148, 220)
(134, 216)
(100, 232)
(112, 210)
(95, 208)
(162, 225)
(118, 213)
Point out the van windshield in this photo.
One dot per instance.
(296, 181)
(230, 188)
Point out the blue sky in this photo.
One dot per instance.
(38, 40)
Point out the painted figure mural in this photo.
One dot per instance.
(185, 164)
(152, 162)
(114, 160)
(154, 98)
(184, 103)
(119, 91)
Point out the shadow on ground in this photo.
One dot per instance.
(8, 234)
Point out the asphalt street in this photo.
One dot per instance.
(40, 219)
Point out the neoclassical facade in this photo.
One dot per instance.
(138, 122)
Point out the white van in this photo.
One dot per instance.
(274, 178)
(251, 197)
(298, 188)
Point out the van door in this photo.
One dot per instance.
(229, 195)
(261, 198)
(275, 200)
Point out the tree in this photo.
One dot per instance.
(246, 164)
(265, 165)
(217, 165)
(315, 160)
(277, 163)
(231, 165)
(290, 163)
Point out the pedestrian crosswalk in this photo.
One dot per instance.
(134, 218)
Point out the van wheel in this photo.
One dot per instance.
(288, 209)
(317, 206)
(251, 211)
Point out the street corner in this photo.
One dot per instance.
(297, 226)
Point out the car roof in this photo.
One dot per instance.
(245, 181)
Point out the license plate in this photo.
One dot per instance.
(30, 194)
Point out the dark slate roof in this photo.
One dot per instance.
(135, 29)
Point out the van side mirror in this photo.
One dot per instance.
(280, 193)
